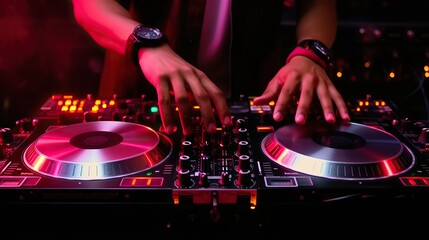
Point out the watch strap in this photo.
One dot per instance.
(131, 51)
(134, 43)
(300, 51)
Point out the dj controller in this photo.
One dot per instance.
(115, 151)
(119, 145)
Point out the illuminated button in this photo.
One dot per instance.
(265, 128)
(154, 109)
(142, 182)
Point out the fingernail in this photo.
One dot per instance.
(330, 117)
(346, 117)
(278, 116)
(300, 119)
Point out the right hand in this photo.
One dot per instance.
(168, 72)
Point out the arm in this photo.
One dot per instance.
(317, 21)
(110, 25)
(106, 21)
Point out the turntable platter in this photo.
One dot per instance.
(97, 150)
(342, 151)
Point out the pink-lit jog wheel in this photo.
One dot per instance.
(347, 151)
(97, 150)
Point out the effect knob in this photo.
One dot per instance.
(243, 163)
(242, 134)
(184, 178)
(244, 178)
(184, 163)
(243, 148)
(187, 148)
(240, 123)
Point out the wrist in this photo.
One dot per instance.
(300, 51)
(316, 51)
(143, 37)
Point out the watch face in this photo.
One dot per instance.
(320, 48)
(148, 33)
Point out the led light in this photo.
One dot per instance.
(154, 109)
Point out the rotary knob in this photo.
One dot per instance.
(243, 163)
(243, 148)
(184, 178)
(184, 163)
(7, 135)
(186, 148)
(242, 135)
(244, 178)
(240, 123)
(224, 179)
(203, 180)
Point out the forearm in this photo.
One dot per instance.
(318, 20)
(106, 21)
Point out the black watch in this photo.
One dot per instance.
(143, 37)
(320, 49)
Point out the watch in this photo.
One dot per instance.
(320, 49)
(143, 36)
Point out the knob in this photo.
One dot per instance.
(224, 179)
(89, 117)
(184, 163)
(243, 148)
(424, 135)
(6, 135)
(186, 148)
(240, 123)
(242, 134)
(244, 178)
(184, 178)
(203, 180)
(26, 125)
(243, 163)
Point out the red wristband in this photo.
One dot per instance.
(300, 51)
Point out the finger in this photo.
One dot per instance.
(164, 103)
(219, 100)
(270, 93)
(325, 100)
(285, 97)
(339, 102)
(183, 103)
(203, 100)
(308, 84)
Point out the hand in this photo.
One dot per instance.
(305, 74)
(168, 72)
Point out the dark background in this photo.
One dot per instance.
(44, 52)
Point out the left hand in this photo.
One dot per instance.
(304, 75)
